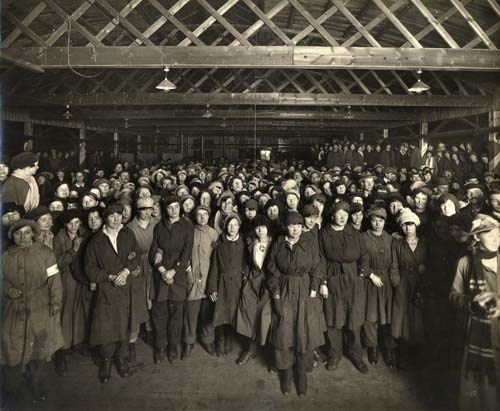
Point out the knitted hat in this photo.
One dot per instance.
(251, 204)
(309, 210)
(23, 223)
(341, 205)
(407, 216)
(201, 208)
(23, 160)
(294, 192)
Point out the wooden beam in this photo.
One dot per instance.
(397, 23)
(435, 24)
(283, 99)
(18, 62)
(9, 40)
(474, 42)
(268, 22)
(24, 28)
(473, 24)
(320, 20)
(376, 58)
(495, 6)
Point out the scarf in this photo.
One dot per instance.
(480, 361)
(33, 197)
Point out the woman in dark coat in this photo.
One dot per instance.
(379, 288)
(345, 261)
(294, 278)
(225, 280)
(110, 258)
(409, 255)
(253, 318)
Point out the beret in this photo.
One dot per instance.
(187, 197)
(377, 212)
(309, 210)
(36, 213)
(23, 160)
(251, 204)
(100, 181)
(293, 218)
(23, 223)
(10, 207)
(66, 216)
(341, 205)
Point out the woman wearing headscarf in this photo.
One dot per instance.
(475, 296)
(31, 329)
(294, 278)
(409, 259)
(225, 280)
(345, 260)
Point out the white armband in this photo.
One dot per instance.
(52, 270)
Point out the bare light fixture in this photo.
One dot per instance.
(419, 86)
(166, 84)
(67, 115)
(208, 113)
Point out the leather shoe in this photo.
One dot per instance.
(105, 370)
(360, 365)
(131, 353)
(122, 367)
(245, 357)
(172, 356)
(372, 355)
(158, 356)
(186, 352)
(333, 363)
(390, 358)
(209, 348)
(319, 357)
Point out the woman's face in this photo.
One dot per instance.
(62, 191)
(233, 227)
(320, 206)
(205, 199)
(188, 205)
(327, 188)
(156, 209)
(202, 217)
(409, 229)
(292, 202)
(395, 207)
(490, 240)
(60, 175)
(127, 213)
(250, 213)
(227, 206)
(73, 226)
(94, 221)
(377, 224)
(261, 232)
(294, 230)
(45, 222)
(273, 212)
(10, 218)
(341, 189)
(183, 191)
(310, 221)
(23, 237)
(448, 209)
(357, 218)
(145, 213)
(173, 210)
(237, 185)
(421, 201)
(56, 206)
(4, 171)
(114, 220)
(340, 218)
(308, 192)
(89, 202)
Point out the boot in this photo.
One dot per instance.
(372, 355)
(285, 377)
(61, 363)
(209, 348)
(390, 358)
(105, 370)
(360, 365)
(245, 357)
(301, 382)
(172, 354)
(131, 352)
(122, 367)
(333, 363)
(158, 355)
(187, 350)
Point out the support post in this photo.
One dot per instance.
(139, 149)
(82, 147)
(29, 129)
(386, 133)
(115, 144)
(424, 141)
(493, 142)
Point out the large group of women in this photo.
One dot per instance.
(308, 263)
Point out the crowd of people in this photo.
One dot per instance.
(362, 250)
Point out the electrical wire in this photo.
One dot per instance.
(68, 55)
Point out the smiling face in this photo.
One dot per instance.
(73, 226)
(232, 227)
(62, 191)
(45, 222)
(294, 230)
(357, 218)
(114, 220)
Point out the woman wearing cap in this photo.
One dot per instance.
(43, 217)
(409, 259)
(345, 264)
(379, 288)
(293, 280)
(225, 279)
(21, 187)
(110, 258)
(475, 295)
(31, 329)
(142, 226)
(67, 243)
(11, 212)
(253, 310)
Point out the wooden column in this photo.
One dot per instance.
(423, 141)
(493, 142)
(115, 143)
(386, 133)
(29, 129)
(82, 147)
(139, 148)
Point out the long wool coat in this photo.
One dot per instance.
(111, 318)
(407, 316)
(293, 273)
(227, 270)
(345, 262)
(28, 331)
(379, 300)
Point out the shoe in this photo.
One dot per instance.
(333, 363)
(158, 355)
(360, 365)
(285, 381)
(390, 358)
(372, 355)
(245, 357)
(61, 363)
(131, 352)
(172, 356)
(122, 367)
(187, 350)
(229, 345)
(272, 369)
(105, 370)
(319, 357)
(209, 348)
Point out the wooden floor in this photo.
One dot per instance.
(211, 383)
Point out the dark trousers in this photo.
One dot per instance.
(117, 349)
(354, 349)
(198, 311)
(14, 378)
(285, 359)
(371, 337)
(167, 321)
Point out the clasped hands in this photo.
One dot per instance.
(490, 302)
(120, 279)
(167, 275)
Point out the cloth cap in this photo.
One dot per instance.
(144, 202)
(407, 216)
(377, 212)
(23, 223)
(11, 207)
(201, 208)
(388, 170)
(23, 160)
(36, 213)
(251, 204)
(341, 205)
(294, 218)
(100, 181)
(483, 223)
(111, 209)
(68, 215)
(309, 210)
